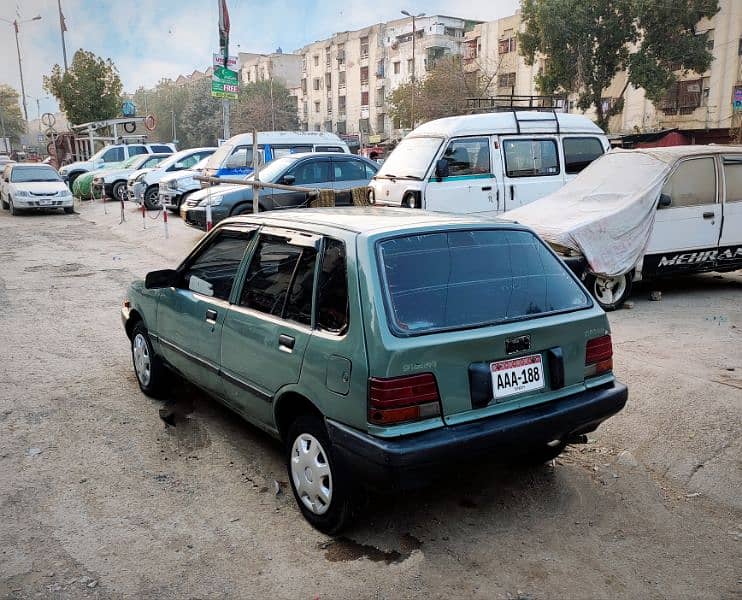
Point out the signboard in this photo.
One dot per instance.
(737, 102)
(224, 82)
(374, 139)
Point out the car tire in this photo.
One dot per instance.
(610, 292)
(70, 210)
(241, 209)
(5, 205)
(119, 191)
(151, 374)
(540, 455)
(151, 197)
(13, 210)
(322, 487)
(410, 201)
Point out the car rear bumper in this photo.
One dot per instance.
(411, 461)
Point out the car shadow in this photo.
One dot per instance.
(692, 284)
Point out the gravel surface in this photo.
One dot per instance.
(100, 498)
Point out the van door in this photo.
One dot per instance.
(532, 169)
(686, 233)
(470, 186)
(730, 242)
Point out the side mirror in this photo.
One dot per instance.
(441, 168)
(288, 179)
(664, 201)
(163, 278)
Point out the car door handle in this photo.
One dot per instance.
(709, 215)
(487, 188)
(512, 192)
(211, 314)
(286, 342)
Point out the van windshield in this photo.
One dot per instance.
(411, 158)
(464, 279)
(222, 152)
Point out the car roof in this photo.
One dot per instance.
(670, 154)
(33, 165)
(289, 137)
(364, 220)
(343, 155)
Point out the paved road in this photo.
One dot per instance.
(99, 499)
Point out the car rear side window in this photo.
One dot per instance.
(157, 148)
(531, 158)
(580, 152)
(349, 170)
(135, 150)
(464, 279)
(332, 289)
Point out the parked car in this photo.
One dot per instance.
(177, 187)
(115, 153)
(144, 185)
(111, 181)
(645, 214)
(234, 157)
(487, 163)
(317, 169)
(33, 186)
(380, 346)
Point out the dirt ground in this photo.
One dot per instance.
(99, 498)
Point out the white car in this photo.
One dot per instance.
(175, 188)
(112, 181)
(143, 186)
(110, 154)
(33, 186)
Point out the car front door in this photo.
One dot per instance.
(266, 331)
(349, 173)
(730, 242)
(470, 185)
(532, 169)
(686, 232)
(190, 317)
(310, 172)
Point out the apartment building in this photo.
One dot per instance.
(279, 66)
(346, 79)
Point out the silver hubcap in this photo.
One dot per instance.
(120, 192)
(609, 290)
(311, 473)
(142, 364)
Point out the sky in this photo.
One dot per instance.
(152, 39)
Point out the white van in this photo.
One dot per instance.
(234, 157)
(489, 162)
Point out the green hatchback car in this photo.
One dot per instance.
(380, 345)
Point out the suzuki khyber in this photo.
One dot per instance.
(380, 345)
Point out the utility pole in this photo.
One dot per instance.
(62, 28)
(2, 127)
(412, 75)
(16, 23)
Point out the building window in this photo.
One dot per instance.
(304, 64)
(305, 110)
(380, 69)
(364, 47)
(396, 66)
(315, 83)
(341, 127)
(380, 124)
(329, 105)
(507, 45)
(341, 54)
(304, 86)
(363, 125)
(316, 60)
(683, 97)
(364, 98)
(328, 81)
(341, 79)
(380, 96)
(364, 75)
(341, 104)
(506, 80)
(327, 57)
(328, 125)
(316, 107)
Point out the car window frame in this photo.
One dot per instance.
(732, 159)
(553, 140)
(569, 138)
(349, 158)
(717, 179)
(312, 159)
(459, 138)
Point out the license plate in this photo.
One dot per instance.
(45, 202)
(517, 375)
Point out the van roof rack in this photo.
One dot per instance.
(514, 103)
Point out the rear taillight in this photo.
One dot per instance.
(598, 356)
(398, 399)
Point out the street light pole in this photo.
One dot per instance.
(15, 25)
(412, 75)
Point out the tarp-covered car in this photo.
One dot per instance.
(639, 214)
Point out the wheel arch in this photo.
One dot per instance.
(135, 317)
(288, 407)
(416, 194)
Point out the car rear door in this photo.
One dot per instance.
(532, 169)
(313, 172)
(686, 233)
(349, 173)
(267, 329)
(730, 242)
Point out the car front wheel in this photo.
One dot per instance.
(13, 209)
(610, 292)
(321, 488)
(151, 197)
(119, 191)
(149, 370)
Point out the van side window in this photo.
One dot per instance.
(733, 177)
(692, 184)
(332, 289)
(531, 158)
(468, 156)
(580, 152)
(328, 149)
(241, 157)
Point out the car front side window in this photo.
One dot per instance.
(311, 171)
(693, 183)
(468, 156)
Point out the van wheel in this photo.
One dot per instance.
(411, 201)
(322, 488)
(610, 292)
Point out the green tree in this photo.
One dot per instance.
(442, 93)
(585, 44)
(201, 118)
(265, 106)
(90, 90)
(12, 117)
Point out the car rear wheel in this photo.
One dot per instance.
(119, 191)
(151, 374)
(322, 488)
(13, 210)
(610, 292)
(151, 197)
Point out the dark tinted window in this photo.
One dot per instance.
(580, 152)
(134, 150)
(275, 268)
(311, 171)
(332, 289)
(158, 148)
(328, 149)
(468, 156)
(217, 264)
(349, 170)
(113, 155)
(461, 279)
(531, 158)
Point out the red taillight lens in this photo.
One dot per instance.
(398, 399)
(598, 355)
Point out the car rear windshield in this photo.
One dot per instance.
(464, 279)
